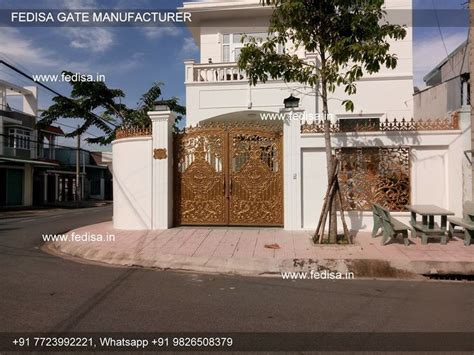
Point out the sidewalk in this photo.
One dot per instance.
(256, 251)
(32, 211)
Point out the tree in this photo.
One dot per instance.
(349, 38)
(101, 107)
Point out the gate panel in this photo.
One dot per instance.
(200, 177)
(256, 177)
(229, 174)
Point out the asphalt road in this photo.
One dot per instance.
(41, 292)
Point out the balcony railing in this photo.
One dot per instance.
(214, 73)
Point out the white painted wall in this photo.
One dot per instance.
(205, 101)
(384, 97)
(132, 183)
(439, 169)
(440, 174)
(437, 101)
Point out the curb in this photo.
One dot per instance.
(361, 268)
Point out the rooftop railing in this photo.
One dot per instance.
(371, 125)
(132, 132)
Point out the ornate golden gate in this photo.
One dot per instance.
(229, 175)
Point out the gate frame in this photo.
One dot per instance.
(161, 209)
(228, 131)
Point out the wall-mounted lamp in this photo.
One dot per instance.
(291, 102)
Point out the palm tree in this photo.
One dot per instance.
(101, 107)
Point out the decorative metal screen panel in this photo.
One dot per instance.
(375, 175)
(229, 174)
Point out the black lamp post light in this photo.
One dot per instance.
(291, 102)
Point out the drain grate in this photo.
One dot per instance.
(450, 277)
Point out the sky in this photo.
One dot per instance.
(133, 58)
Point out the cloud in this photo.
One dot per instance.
(161, 31)
(92, 39)
(96, 39)
(189, 47)
(429, 52)
(19, 48)
(130, 63)
(72, 4)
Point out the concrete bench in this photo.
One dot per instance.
(421, 230)
(391, 227)
(466, 222)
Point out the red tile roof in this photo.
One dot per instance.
(54, 130)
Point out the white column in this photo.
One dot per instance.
(162, 169)
(292, 169)
(467, 155)
(30, 101)
(189, 71)
(464, 93)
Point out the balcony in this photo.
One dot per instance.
(213, 73)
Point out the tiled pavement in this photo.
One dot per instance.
(248, 250)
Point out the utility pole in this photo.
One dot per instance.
(471, 75)
(78, 167)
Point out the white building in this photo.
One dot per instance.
(215, 87)
(230, 173)
(18, 153)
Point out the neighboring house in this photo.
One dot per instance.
(448, 87)
(234, 168)
(19, 156)
(34, 169)
(95, 170)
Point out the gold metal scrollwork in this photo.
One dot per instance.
(375, 175)
(160, 153)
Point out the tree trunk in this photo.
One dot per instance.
(329, 158)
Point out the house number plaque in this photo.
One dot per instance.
(160, 153)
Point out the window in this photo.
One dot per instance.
(226, 48)
(18, 138)
(232, 44)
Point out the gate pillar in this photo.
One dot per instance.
(292, 168)
(162, 169)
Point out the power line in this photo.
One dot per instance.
(10, 59)
(441, 34)
(466, 50)
(23, 81)
(51, 90)
(90, 134)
